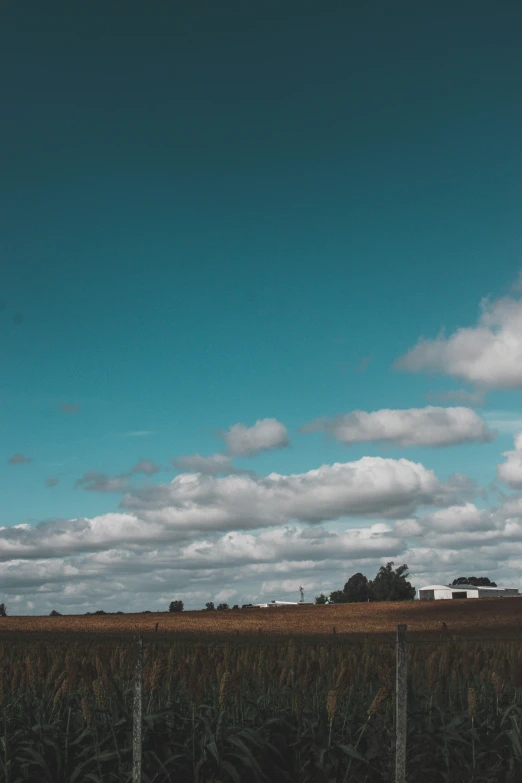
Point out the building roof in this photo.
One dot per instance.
(437, 587)
(480, 587)
(463, 587)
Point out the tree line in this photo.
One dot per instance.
(389, 585)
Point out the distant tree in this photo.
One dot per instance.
(54, 613)
(210, 606)
(477, 581)
(337, 597)
(99, 611)
(321, 599)
(223, 606)
(3, 610)
(176, 606)
(391, 585)
(356, 589)
(236, 606)
(247, 606)
(119, 612)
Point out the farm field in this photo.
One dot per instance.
(485, 617)
(223, 702)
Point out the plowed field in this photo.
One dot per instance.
(487, 617)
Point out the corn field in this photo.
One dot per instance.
(258, 710)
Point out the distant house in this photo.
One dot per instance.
(436, 592)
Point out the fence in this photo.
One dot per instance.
(376, 709)
(401, 697)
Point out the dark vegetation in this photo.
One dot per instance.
(389, 585)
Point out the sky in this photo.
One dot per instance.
(260, 299)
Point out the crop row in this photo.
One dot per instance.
(278, 712)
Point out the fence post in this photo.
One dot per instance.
(137, 712)
(401, 702)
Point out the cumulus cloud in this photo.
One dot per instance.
(100, 482)
(510, 471)
(430, 426)
(264, 435)
(146, 466)
(18, 459)
(119, 561)
(122, 580)
(371, 486)
(128, 561)
(488, 354)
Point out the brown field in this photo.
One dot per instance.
(477, 618)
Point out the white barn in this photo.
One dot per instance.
(436, 592)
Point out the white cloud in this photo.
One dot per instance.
(488, 354)
(371, 486)
(265, 435)
(430, 426)
(195, 463)
(510, 471)
(122, 561)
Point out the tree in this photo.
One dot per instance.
(321, 599)
(210, 606)
(3, 610)
(391, 585)
(477, 581)
(223, 606)
(356, 589)
(176, 606)
(54, 613)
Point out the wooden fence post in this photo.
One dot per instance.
(137, 712)
(401, 702)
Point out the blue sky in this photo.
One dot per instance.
(215, 216)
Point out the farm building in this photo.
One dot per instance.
(435, 592)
